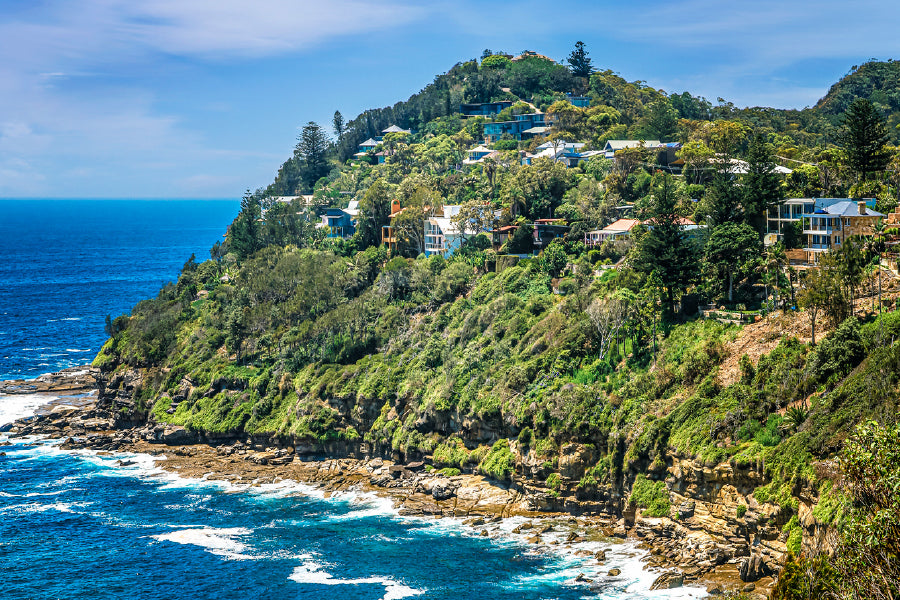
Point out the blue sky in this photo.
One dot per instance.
(195, 98)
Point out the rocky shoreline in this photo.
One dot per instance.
(699, 548)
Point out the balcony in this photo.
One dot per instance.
(820, 231)
(817, 247)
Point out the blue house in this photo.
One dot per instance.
(522, 127)
(579, 101)
(341, 222)
(484, 109)
(367, 146)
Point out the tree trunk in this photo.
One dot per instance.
(730, 286)
(812, 324)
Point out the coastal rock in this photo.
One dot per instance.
(686, 510)
(175, 435)
(442, 490)
(668, 581)
(753, 568)
(614, 572)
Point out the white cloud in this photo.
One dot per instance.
(73, 106)
(256, 28)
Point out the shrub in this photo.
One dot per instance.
(499, 462)
(554, 481)
(651, 496)
(741, 511)
(525, 437)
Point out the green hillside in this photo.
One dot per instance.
(511, 360)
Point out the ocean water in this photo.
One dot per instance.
(66, 264)
(83, 525)
(77, 524)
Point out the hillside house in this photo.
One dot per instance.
(388, 232)
(395, 129)
(442, 236)
(476, 155)
(522, 127)
(484, 109)
(579, 101)
(619, 230)
(501, 235)
(825, 228)
(568, 153)
(792, 211)
(613, 146)
(366, 146)
(547, 230)
(341, 222)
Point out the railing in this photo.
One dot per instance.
(816, 247)
(819, 231)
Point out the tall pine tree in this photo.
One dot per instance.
(864, 137)
(579, 62)
(762, 185)
(665, 249)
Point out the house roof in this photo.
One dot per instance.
(395, 129)
(537, 130)
(369, 142)
(622, 144)
(620, 226)
(742, 167)
(562, 144)
(684, 222)
(480, 148)
(847, 208)
(531, 54)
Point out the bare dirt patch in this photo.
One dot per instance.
(762, 337)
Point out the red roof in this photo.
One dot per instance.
(621, 225)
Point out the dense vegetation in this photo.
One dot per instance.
(486, 362)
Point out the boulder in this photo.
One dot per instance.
(614, 572)
(686, 509)
(442, 490)
(753, 568)
(175, 435)
(668, 581)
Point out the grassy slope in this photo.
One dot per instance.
(497, 355)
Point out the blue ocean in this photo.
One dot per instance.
(79, 524)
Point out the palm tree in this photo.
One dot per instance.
(774, 261)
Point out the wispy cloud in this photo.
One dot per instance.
(237, 27)
(71, 91)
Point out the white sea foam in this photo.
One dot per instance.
(63, 507)
(220, 542)
(20, 406)
(565, 565)
(78, 350)
(311, 572)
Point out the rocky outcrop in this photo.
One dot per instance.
(69, 381)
